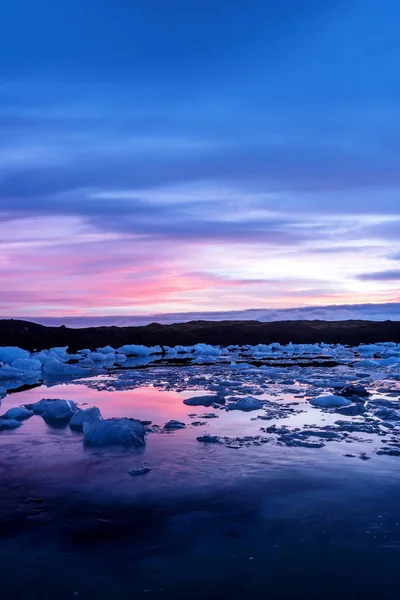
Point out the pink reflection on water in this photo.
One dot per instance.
(144, 403)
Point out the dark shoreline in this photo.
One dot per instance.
(31, 336)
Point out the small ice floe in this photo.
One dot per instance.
(141, 471)
(245, 404)
(3, 392)
(330, 401)
(171, 425)
(19, 413)
(60, 411)
(88, 415)
(6, 424)
(115, 432)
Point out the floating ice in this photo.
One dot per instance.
(135, 350)
(97, 356)
(174, 425)
(39, 407)
(106, 350)
(354, 390)
(207, 350)
(60, 352)
(60, 411)
(246, 404)
(53, 366)
(10, 353)
(329, 401)
(18, 413)
(27, 364)
(6, 424)
(88, 415)
(200, 401)
(111, 432)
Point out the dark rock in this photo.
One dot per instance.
(354, 390)
(171, 425)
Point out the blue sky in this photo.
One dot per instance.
(197, 155)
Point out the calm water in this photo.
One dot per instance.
(207, 521)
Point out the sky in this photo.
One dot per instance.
(198, 155)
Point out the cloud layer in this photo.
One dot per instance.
(156, 160)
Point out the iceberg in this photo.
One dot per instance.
(246, 404)
(136, 350)
(18, 413)
(10, 353)
(27, 364)
(111, 432)
(60, 411)
(88, 415)
(329, 401)
(6, 424)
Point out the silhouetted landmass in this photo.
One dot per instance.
(32, 336)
